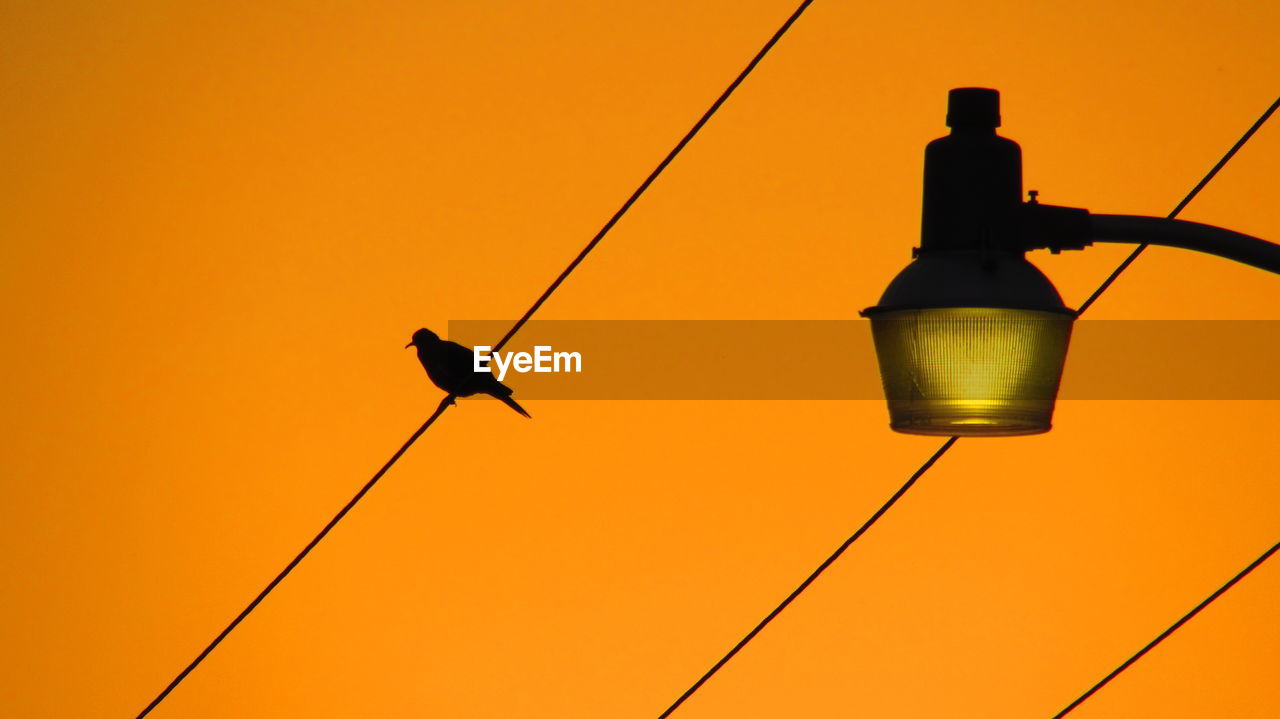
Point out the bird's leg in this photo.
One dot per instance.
(452, 400)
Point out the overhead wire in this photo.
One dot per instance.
(1115, 274)
(1253, 129)
(1165, 634)
(444, 404)
(812, 576)
(448, 400)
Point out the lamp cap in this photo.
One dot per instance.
(973, 107)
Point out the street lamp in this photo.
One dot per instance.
(971, 338)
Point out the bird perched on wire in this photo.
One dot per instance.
(451, 367)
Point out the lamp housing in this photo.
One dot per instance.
(970, 345)
(971, 338)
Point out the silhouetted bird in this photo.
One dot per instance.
(452, 368)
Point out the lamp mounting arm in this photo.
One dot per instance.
(1136, 229)
(1047, 227)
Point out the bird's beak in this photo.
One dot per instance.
(408, 345)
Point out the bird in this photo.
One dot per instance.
(451, 367)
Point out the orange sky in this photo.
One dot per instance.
(224, 220)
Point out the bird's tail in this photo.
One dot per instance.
(506, 399)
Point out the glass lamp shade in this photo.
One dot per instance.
(971, 371)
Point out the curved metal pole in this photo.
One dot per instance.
(1137, 229)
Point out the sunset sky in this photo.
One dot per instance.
(223, 221)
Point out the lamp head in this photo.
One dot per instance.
(971, 338)
(970, 345)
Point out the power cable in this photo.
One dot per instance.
(444, 404)
(1165, 634)
(812, 576)
(1262, 119)
(1115, 274)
